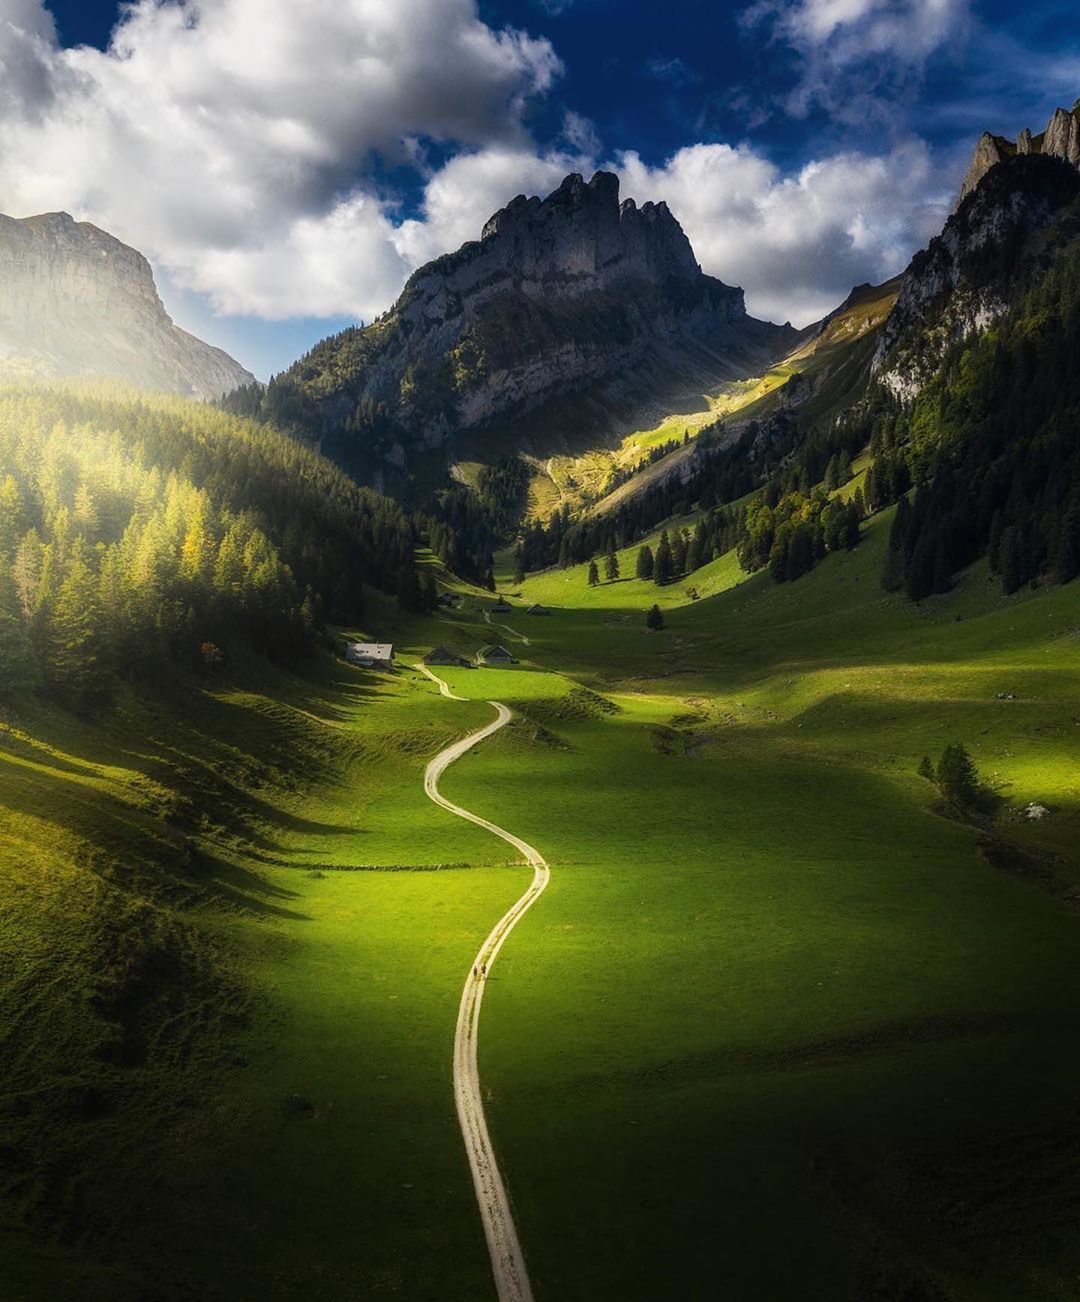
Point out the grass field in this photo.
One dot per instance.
(799, 1039)
(227, 1034)
(777, 1029)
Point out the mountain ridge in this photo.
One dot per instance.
(78, 301)
(1060, 139)
(568, 316)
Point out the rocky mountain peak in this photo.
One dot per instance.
(579, 240)
(568, 317)
(1061, 139)
(77, 301)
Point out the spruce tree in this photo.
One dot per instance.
(594, 575)
(611, 565)
(76, 637)
(645, 562)
(678, 553)
(1067, 553)
(853, 530)
(832, 478)
(1011, 560)
(664, 569)
(654, 618)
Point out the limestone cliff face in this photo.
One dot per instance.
(1061, 139)
(572, 296)
(978, 266)
(76, 301)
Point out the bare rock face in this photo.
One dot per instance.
(76, 301)
(567, 312)
(989, 151)
(1061, 139)
(977, 267)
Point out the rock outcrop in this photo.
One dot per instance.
(979, 265)
(76, 301)
(566, 316)
(1061, 139)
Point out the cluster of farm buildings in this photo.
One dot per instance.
(380, 655)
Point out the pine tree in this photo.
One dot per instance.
(594, 575)
(858, 501)
(611, 565)
(76, 637)
(853, 530)
(11, 514)
(645, 562)
(1067, 552)
(832, 478)
(26, 572)
(779, 552)
(920, 570)
(1011, 560)
(654, 618)
(678, 553)
(664, 568)
(958, 780)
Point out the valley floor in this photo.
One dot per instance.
(776, 1029)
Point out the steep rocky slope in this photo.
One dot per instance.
(821, 377)
(76, 301)
(564, 321)
(1017, 219)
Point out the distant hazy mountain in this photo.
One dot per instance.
(75, 301)
(567, 317)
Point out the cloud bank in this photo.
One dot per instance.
(250, 148)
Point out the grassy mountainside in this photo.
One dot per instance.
(822, 375)
(228, 993)
(154, 801)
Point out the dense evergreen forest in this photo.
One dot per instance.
(139, 530)
(992, 448)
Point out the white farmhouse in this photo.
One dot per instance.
(371, 655)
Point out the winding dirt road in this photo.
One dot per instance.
(512, 631)
(507, 1261)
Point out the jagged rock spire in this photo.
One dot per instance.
(1061, 139)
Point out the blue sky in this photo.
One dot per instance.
(804, 144)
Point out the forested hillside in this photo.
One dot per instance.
(991, 445)
(137, 531)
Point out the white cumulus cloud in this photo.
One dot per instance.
(239, 143)
(796, 243)
(226, 137)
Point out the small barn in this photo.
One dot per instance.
(494, 655)
(446, 600)
(444, 655)
(501, 607)
(370, 655)
(537, 609)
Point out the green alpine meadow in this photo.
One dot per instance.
(560, 783)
